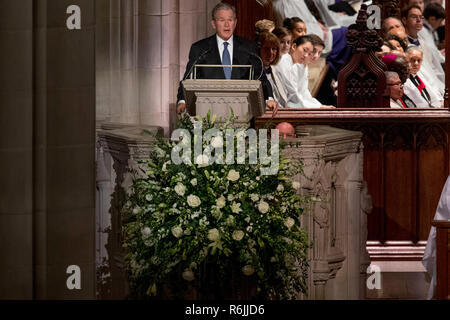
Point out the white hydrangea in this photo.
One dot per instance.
(146, 232)
(263, 207)
(217, 142)
(188, 275)
(238, 235)
(230, 220)
(193, 201)
(220, 202)
(180, 189)
(289, 222)
(202, 160)
(248, 270)
(177, 231)
(233, 175)
(213, 234)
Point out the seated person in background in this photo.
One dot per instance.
(291, 72)
(262, 26)
(318, 46)
(412, 18)
(394, 42)
(395, 88)
(296, 26)
(434, 15)
(285, 37)
(400, 66)
(270, 55)
(385, 50)
(422, 95)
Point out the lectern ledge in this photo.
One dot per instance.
(245, 97)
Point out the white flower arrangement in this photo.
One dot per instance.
(227, 220)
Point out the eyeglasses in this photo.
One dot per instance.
(395, 84)
(416, 17)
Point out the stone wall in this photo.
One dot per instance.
(142, 48)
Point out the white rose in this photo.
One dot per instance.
(202, 160)
(296, 185)
(213, 234)
(230, 197)
(136, 210)
(193, 201)
(238, 235)
(254, 197)
(148, 197)
(233, 175)
(280, 188)
(248, 270)
(180, 189)
(188, 275)
(217, 142)
(146, 232)
(263, 207)
(289, 223)
(236, 207)
(177, 231)
(194, 182)
(220, 203)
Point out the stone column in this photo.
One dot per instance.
(142, 51)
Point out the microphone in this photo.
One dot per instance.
(195, 62)
(260, 60)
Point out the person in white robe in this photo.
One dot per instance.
(412, 19)
(416, 87)
(429, 256)
(291, 72)
(294, 8)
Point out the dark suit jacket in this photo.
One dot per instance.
(208, 52)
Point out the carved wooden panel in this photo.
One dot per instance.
(389, 8)
(406, 163)
(362, 82)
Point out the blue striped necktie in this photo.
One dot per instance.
(226, 60)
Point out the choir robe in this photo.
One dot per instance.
(294, 78)
(413, 92)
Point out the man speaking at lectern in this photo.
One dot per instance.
(224, 48)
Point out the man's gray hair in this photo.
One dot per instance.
(414, 48)
(390, 75)
(223, 6)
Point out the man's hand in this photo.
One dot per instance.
(181, 107)
(272, 106)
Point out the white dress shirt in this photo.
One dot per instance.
(220, 45)
(396, 104)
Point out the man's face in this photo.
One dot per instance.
(414, 21)
(391, 24)
(419, 3)
(224, 23)
(415, 61)
(395, 88)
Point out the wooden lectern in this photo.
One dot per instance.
(245, 97)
